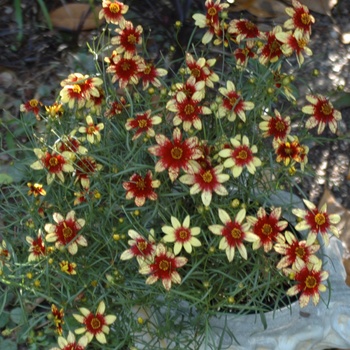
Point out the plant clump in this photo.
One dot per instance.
(148, 187)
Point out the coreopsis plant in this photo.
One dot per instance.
(151, 186)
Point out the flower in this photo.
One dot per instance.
(70, 343)
(187, 108)
(150, 75)
(317, 221)
(5, 255)
(141, 188)
(267, 227)
(78, 89)
(68, 268)
(95, 324)
(290, 150)
(233, 233)
(113, 11)
(308, 278)
(207, 181)
(66, 232)
(92, 130)
(140, 247)
(32, 105)
(36, 189)
(182, 235)
(322, 113)
(294, 250)
(126, 69)
(201, 70)
(301, 20)
(276, 126)
(294, 42)
(241, 156)
(232, 103)
(37, 247)
(128, 37)
(86, 167)
(175, 155)
(58, 318)
(244, 29)
(143, 123)
(54, 163)
(210, 20)
(164, 267)
(271, 51)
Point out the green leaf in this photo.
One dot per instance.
(8, 345)
(342, 101)
(4, 318)
(5, 179)
(17, 315)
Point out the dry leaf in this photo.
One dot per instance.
(324, 7)
(73, 17)
(260, 8)
(273, 8)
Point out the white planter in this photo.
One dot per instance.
(310, 328)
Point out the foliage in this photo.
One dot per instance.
(155, 194)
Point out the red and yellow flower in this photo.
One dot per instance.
(322, 113)
(32, 105)
(268, 228)
(36, 189)
(128, 38)
(163, 267)
(182, 235)
(68, 268)
(95, 324)
(55, 163)
(150, 75)
(293, 250)
(143, 123)
(317, 221)
(126, 69)
(113, 11)
(233, 233)
(92, 130)
(66, 232)
(85, 168)
(176, 154)
(140, 247)
(232, 103)
(58, 318)
(275, 126)
(141, 188)
(37, 247)
(301, 20)
(70, 342)
(206, 180)
(211, 20)
(241, 156)
(309, 278)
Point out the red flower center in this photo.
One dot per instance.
(196, 72)
(53, 161)
(189, 109)
(280, 126)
